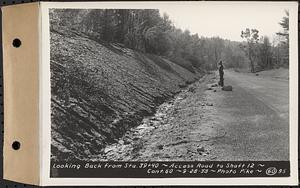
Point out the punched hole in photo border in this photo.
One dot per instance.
(17, 43)
(16, 145)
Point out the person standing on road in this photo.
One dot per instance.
(221, 74)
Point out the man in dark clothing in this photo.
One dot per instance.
(221, 73)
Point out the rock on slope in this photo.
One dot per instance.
(100, 91)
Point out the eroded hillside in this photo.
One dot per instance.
(101, 90)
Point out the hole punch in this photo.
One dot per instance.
(17, 43)
(16, 145)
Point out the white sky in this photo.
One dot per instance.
(227, 20)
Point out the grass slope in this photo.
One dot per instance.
(100, 91)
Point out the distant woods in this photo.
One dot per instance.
(263, 54)
(147, 31)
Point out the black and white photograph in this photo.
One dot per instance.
(194, 84)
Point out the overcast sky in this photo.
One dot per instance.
(227, 21)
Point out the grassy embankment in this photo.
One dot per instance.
(99, 91)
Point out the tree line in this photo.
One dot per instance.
(147, 31)
(261, 53)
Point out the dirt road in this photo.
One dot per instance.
(205, 123)
(256, 116)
